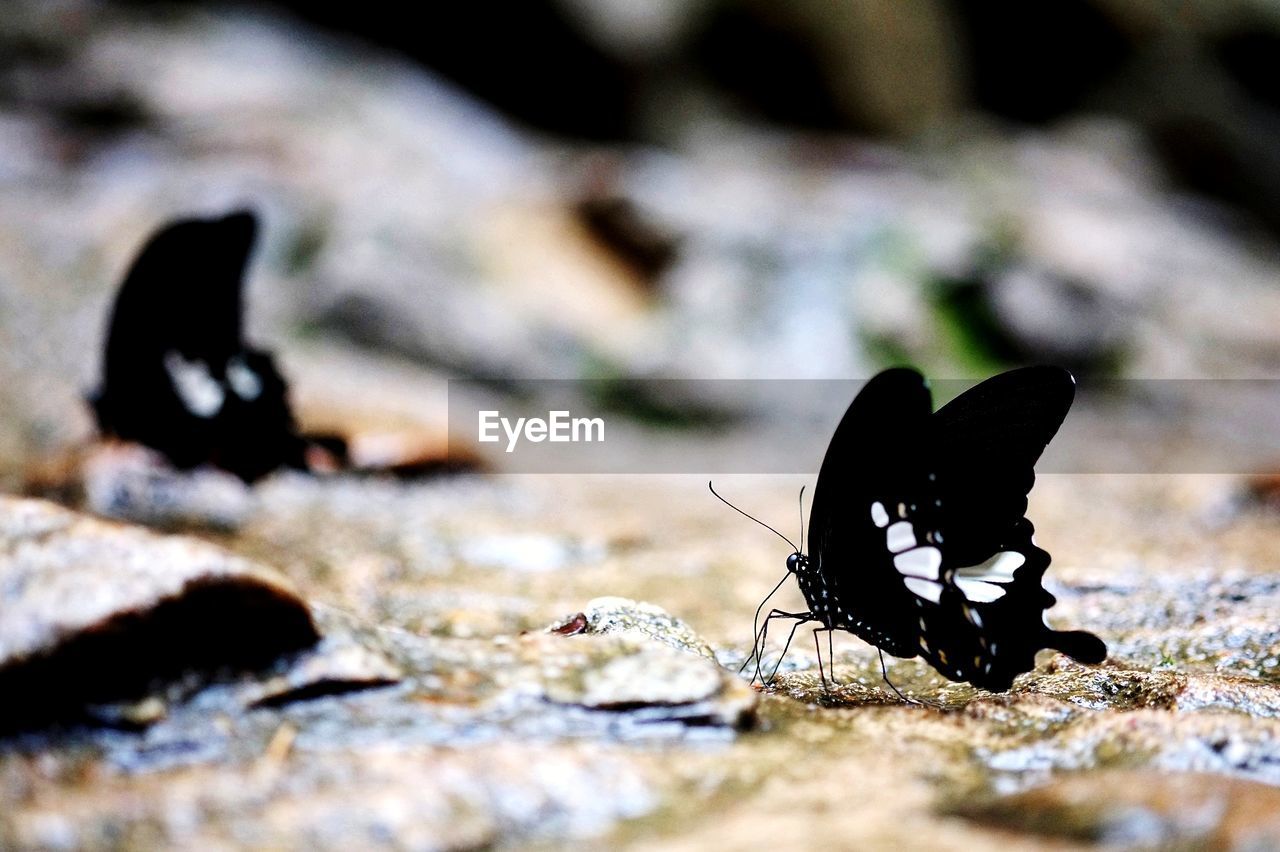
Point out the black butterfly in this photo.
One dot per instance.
(918, 540)
(178, 376)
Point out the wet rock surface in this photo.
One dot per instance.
(1142, 809)
(542, 711)
(465, 703)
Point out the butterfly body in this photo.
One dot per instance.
(919, 543)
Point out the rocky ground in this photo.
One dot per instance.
(473, 685)
(533, 661)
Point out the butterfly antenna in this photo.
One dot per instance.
(802, 519)
(757, 520)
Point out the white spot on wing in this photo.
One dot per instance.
(998, 568)
(977, 591)
(922, 562)
(196, 387)
(245, 382)
(924, 588)
(879, 516)
(900, 536)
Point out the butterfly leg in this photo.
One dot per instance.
(831, 654)
(884, 673)
(800, 617)
(818, 650)
(757, 644)
(831, 657)
(755, 627)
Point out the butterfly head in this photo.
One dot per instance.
(797, 563)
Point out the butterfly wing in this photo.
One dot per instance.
(872, 487)
(918, 530)
(183, 293)
(988, 622)
(177, 375)
(987, 441)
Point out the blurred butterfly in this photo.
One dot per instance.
(178, 376)
(918, 538)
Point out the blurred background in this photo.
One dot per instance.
(523, 194)
(516, 189)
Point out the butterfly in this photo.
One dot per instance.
(918, 538)
(177, 374)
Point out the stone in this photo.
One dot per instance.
(132, 483)
(617, 615)
(96, 612)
